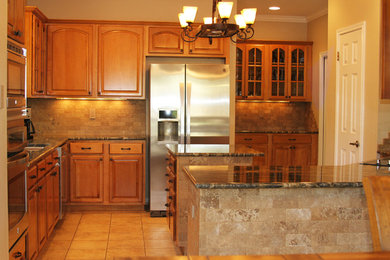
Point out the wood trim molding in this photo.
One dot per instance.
(275, 42)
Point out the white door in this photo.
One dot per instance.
(349, 90)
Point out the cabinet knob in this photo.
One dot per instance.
(17, 255)
(50, 163)
(17, 33)
(167, 174)
(292, 139)
(54, 173)
(42, 169)
(170, 181)
(170, 197)
(86, 148)
(99, 92)
(166, 189)
(33, 177)
(89, 92)
(125, 148)
(166, 205)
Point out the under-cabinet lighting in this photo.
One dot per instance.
(95, 99)
(263, 101)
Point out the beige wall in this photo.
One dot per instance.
(342, 14)
(383, 120)
(280, 31)
(315, 33)
(3, 137)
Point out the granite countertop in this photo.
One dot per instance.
(278, 132)
(211, 150)
(52, 143)
(246, 177)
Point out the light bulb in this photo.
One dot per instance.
(249, 15)
(224, 9)
(240, 21)
(190, 13)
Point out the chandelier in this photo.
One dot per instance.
(214, 27)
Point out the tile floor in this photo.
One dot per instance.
(108, 235)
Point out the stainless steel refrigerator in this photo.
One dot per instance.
(189, 104)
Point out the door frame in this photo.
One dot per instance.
(323, 84)
(359, 26)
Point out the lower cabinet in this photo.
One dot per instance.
(33, 245)
(86, 178)
(291, 154)
(53, 201)
(107, 172)
(18, 252)
(42, 212)
(126, 178)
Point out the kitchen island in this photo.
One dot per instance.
(193, 154)
(247, 210)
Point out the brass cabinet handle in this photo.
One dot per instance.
(17, 255)
(86, 148)
(42, 169)
(33, 177)
(125, 148)
(292, 139)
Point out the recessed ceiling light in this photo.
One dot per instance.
(274, 8)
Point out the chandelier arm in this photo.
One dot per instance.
(250, 32)
(232, 39)
(186, 37)
(242, 35)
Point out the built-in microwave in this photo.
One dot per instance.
(16, 67)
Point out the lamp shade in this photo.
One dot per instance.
(224, 9)
(207, 20)
(240, 21)
(249, 15)
(182, 20)
(190, 13)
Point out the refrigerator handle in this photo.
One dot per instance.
(188, 113)
(182, 114)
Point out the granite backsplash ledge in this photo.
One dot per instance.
(275, 117)
(72, 118)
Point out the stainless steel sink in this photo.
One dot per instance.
(35, 147)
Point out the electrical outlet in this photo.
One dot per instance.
(92, 113)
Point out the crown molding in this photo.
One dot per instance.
(317, 15)
(290, 19)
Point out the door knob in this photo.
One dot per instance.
(357, 144)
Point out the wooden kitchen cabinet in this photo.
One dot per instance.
(120, 55)
(166, 41)
(42, 212)
(273, 71)
(18, 252)
(16, 20)
(36, 50)
(126, 178)
(32, 237)
(86, 178)
(53, 192)
(70, 51)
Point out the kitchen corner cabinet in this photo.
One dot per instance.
(70, 52)
(16, 20)
(273, 71)
(167, 41)
(107, 173)
(36, 50)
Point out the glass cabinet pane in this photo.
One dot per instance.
(238, 56)
(294, 74)
(258, 88)
(275, 56)
(294, 58)
(238, 88)
(281, 73)
(301, 57)
(274, 73)
(301, 74)
(258, 73)
(250, 88)
(301, 89)
(258, 57)
(282, 56)
(274, 89)
(239, 73)
(293, 88)
(281, 88)
(251, 73)
(251, 57)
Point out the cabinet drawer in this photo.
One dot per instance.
(19, 250)
(251, 138)
(126, 148)
(55, 156)
(86, 147)
(49, 162)
(32, 177)
(293, 139)
(41, 169)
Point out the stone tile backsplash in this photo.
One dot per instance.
(274, 117)
(72, 118)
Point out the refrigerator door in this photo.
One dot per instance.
(166, 112)
(208, 98)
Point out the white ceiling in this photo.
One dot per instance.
(303, 8)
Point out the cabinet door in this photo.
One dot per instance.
(42, 213)
(126, 179)
(53, 203)
(240, 71)
(281, 155)
(278, 74)
(299, 72)
(120, 60)
(32, 238)
(86, 178)
(300, 155)
(254, 72)
(16, 20)
(69, 59)
(202, 46)
(165, 40)
(56, 194)
(37, 57)
(49, 203)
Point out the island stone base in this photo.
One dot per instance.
(277, 221)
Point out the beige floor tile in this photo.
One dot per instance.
(155, 228)
(125, 236)
(88, 244)
(83, 227)
(81, 235)
(159, 244)
(72, 217)
(53, 255)
(126, 228)
(62, 235)
(119, 221)
(66, 227)
(126, 215)
(128, 243)
(150, 220)
(160, 252)
(95, 218)
(58, 244)
(157, 236)
(124, 252)
(79, 254)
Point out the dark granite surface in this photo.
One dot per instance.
(279, 132)
(246, 177)
(210, 150)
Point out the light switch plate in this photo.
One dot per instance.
(92, 113)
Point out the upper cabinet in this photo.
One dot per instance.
(16, 20)
(167, 41)
(69, 59)
(273, 71)
(120, 60)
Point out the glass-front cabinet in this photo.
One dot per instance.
(273, 71)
